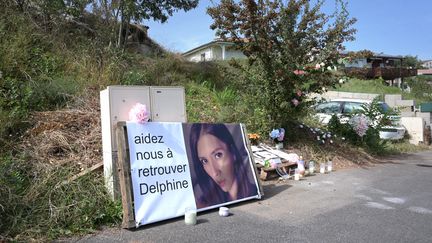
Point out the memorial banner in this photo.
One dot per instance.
(175, 166)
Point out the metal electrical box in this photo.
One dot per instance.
(166, 104)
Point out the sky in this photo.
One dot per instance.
(393, 27)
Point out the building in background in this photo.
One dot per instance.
(370, 66)
(214, 51)
(427, 64)
(379, 65)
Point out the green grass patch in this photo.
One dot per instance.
(375, 86)
(420, 91)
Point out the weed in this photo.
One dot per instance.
(36, 204)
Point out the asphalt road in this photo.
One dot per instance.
(389, 202)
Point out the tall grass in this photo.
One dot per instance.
(35, 204)
(42, 70)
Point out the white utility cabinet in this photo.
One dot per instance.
(166, 104)
(415, 128)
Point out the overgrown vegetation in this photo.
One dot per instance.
(51, 71)
(362, 128)
(421, 88)
(52, 65)
(36, 204)
(292, 48)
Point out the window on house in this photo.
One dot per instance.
(203, 57)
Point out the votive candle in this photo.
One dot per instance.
(329, 166)
(190, 216)
(322, 168)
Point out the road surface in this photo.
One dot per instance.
(389, 202)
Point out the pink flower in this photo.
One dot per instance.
(295, 102)
(281, 134)
(299, 93)
(360, 124)
(139, 113)
(299, 72)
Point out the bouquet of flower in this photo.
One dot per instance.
(253, 137)
(139, 113)
(277, 135)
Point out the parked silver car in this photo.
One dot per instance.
(342, 107)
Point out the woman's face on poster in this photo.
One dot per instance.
(217, 160)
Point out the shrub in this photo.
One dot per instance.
(363, 127)
(35, 203)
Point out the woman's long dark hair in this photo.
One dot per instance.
(212, 193)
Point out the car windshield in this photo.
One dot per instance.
(350, 107)
(328, 107)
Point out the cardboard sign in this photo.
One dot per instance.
(175, 166)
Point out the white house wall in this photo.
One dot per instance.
(214, 52)
(230, 53)
(217, 53)
(427, 64)
(196, 57)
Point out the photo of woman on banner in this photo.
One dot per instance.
(221, 168)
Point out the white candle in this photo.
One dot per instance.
(296, 175)
(329, 166)
(224, 212)
(311, 167)
(190, 216)
(322, 168)
(300, 166)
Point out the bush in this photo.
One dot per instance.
(420, 88)
(36, 204)
(201, 103)
(358, 132)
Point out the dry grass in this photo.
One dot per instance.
(38, 204)
(342, 155)
(70, 136)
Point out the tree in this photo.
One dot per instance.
(117, 14)
(292, 44)
(126, 11)
(411, 61)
